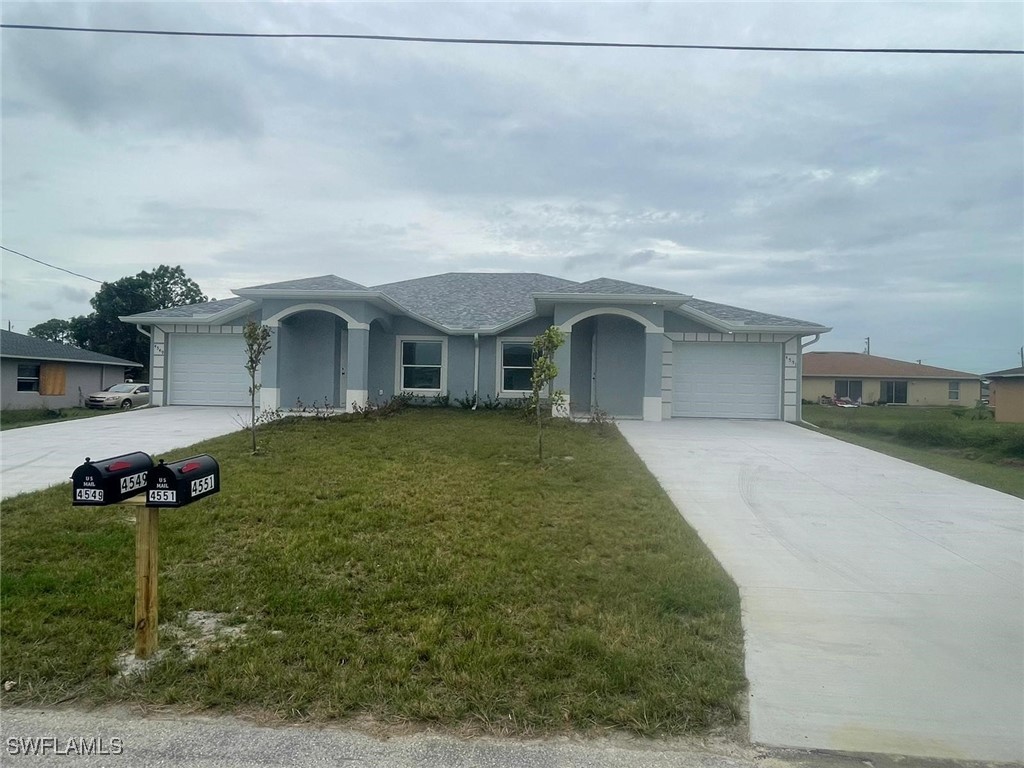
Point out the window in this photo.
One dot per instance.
(516, 366)
(52, 379)
(421, 365)
(894, 392)
(954, 390)
(28, 377)
(850, 388)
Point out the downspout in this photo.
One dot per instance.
(476, 369)
(815, 340)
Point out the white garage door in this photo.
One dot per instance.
(207, 369)
(727, 381)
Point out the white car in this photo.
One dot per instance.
(123, 396)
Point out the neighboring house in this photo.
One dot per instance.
(36, 373)
(631, 351)
(1006, 394)
(872, 379)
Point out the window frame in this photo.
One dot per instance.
(500, 366)
(400, 366)
(953, 391)
(22, 378)
(848, 382)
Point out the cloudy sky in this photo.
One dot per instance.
(882, 195)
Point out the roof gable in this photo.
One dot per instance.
(321, 283)
(871, 366)
(194, 311)
(1009, 373)
(605, 286)
(17, 345)
(741, 316)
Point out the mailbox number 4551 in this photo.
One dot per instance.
(202, 485)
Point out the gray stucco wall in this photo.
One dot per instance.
(81, 380)
(582, 341)
(381, 377)
(678, 324)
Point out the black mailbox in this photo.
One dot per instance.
(182, 482)
(110, 481)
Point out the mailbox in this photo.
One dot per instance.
(182, 482)
(110, 481)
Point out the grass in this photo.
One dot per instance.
(422, 568)
(31, 417)
(948, 440)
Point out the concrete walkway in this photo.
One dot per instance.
(33, 458)
(883, 603)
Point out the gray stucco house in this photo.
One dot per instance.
(631, 350)
(36, 373)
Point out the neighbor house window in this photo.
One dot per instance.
(851, 388)
(954, 390)
(516, 364)
(28, 378)
(421, 365)
(894, 392)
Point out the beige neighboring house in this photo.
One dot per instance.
(1006, 394)
(872, 379)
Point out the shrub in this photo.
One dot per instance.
(931, 433)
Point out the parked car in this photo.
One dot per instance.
(123, 396)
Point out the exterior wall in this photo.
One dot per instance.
(81, 380)
(381, 377)
(1007, 397)
(581, 389)
(460, 366)
(921, 392)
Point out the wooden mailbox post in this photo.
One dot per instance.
(122, 480)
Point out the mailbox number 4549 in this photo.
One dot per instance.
(202, 485)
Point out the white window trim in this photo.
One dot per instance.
(499, 377)
(949, 390)
(399, 340)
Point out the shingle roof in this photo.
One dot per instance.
(462, 300)
(857, 364)
(605, 286)
(741, 316)
(1009, 373)
(321, 283)
(30, 348)
(206, 309)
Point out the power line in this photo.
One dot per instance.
(51, 266)
(500, 41)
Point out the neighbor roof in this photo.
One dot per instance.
(461, 300)
(1009, 373)
(855, 364)
(17, 345)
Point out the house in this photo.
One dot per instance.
(631, 351)
(873, 379)
(36, 373)
(1006, 394)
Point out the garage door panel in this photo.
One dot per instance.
(207, 370)
(735, 381)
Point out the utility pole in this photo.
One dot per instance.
(1022, 357)
(867, 345)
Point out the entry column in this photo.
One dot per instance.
(653, 354)
(563, 357)
(358, 365)
(266, 377)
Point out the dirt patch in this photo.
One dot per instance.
(202, 632)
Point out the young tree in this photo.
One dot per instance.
(257, 344)
(544, 373)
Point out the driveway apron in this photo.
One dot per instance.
(33, 458)
(883, 603)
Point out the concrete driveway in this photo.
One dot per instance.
(33, 458)
(883, 603)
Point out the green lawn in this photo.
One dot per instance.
(945, 439)
(422, 568)
(32, 417)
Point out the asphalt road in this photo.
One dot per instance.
(227, 742)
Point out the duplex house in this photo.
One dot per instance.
(632, 351)
(873, 379)
(36, 373)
